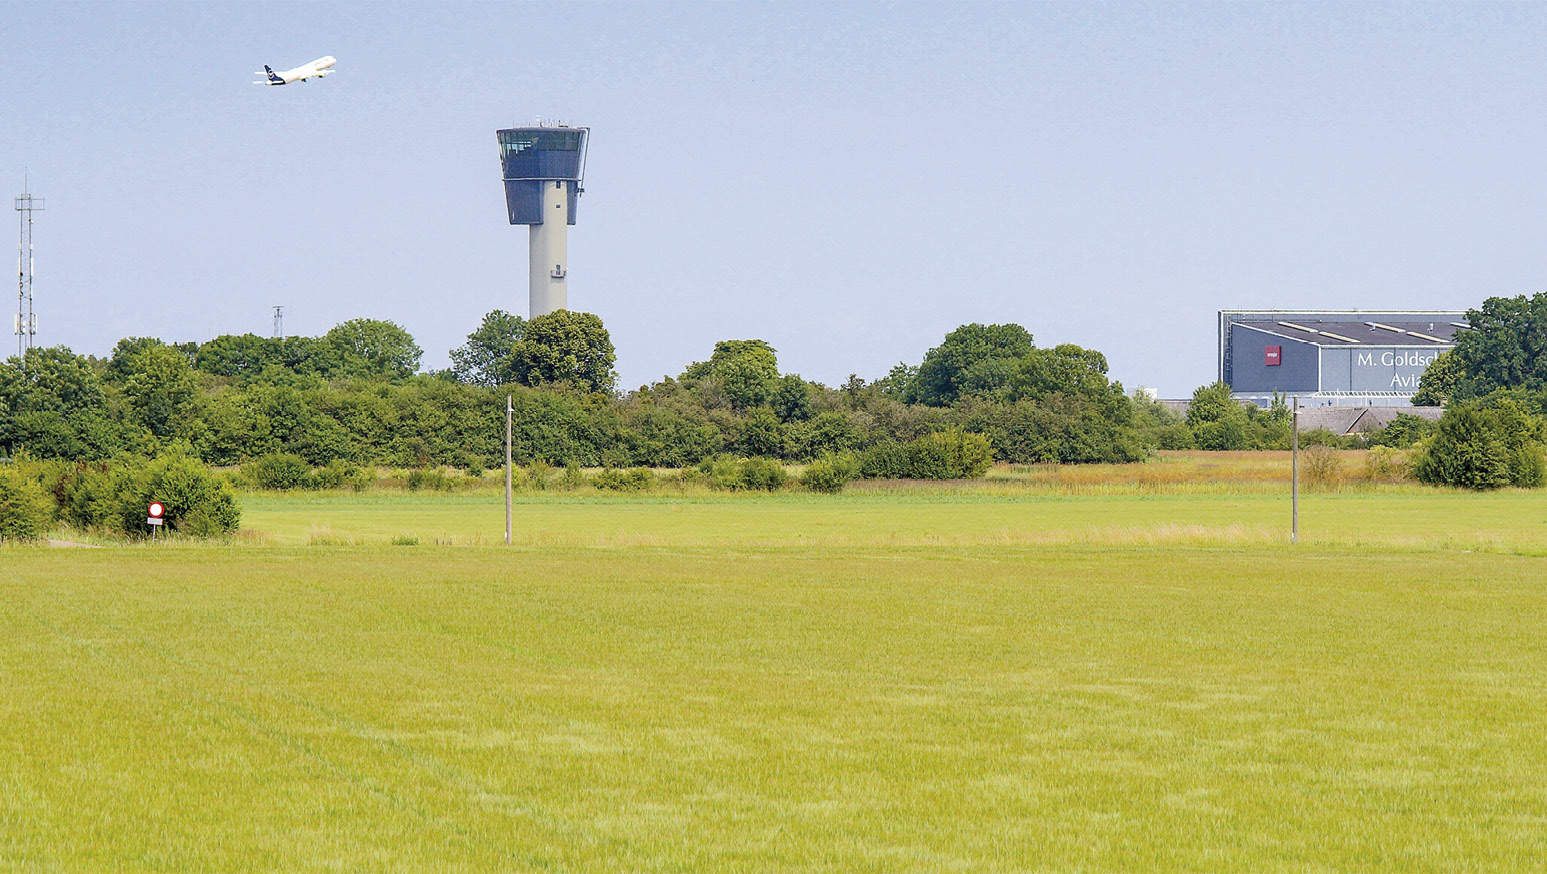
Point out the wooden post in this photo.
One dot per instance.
(508, 410)
(1294, 474)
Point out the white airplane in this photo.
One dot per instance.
(318, 69)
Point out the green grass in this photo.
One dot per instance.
(891, 680)
(1398, 517)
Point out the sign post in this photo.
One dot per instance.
(155, 521)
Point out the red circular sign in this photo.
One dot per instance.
(156, 510)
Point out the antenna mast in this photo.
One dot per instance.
(26, 322)
(279, 322)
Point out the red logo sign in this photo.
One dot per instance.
(1271, 355)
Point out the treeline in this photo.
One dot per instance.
(356, 395)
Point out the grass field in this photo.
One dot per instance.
(1023, 676)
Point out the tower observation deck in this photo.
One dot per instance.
(543, 169)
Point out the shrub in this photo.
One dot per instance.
(830, 473)
(26, 512)
(885, 460)
(953, 454)
(340, 474)
(537, 474)
(573, 478)
(432, 478)
(636, 480)
(280, 471)
(1382, 464)
(762, 474)
(1322, 467)
(1483, 446)
(197, 501)
(1324, 437)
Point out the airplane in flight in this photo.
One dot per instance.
(318, 69)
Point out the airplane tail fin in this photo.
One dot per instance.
(272, 76)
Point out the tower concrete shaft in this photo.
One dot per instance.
(543, 169)
(549, 257)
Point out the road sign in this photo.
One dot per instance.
(156, 510)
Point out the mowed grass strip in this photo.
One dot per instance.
(1406, 518)
(917, 707)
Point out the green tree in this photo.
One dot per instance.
(1505, 348)
(238, 356)
(944, 374)
(1485, 444)
(375, 348)
(1440, 380)
(483, 359)
(160, 389)
(791, 400)
(1217, 420)
(567, 346)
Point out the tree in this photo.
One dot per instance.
(1216, 419)
(1505, 348)
(791, 400)
(54, 405)
(1439, 381)
(944, 372)
(160, 389)
(373, 347)
(1485, 444)
(482, 360)
(744, 371)
(567, 346)
(238, 355)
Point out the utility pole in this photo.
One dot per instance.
(1294, 474)
(508, 410)
(26, 321)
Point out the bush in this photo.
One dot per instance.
(281, 471)
(573, 478)
(731, 474)
(636, 480)
(830, 473)
(538, 474)
(1382, 464)
(432, 478)
(1483, 446)
(885, 460)
(1322, 467)
(763, 474)
(26, 512)
(953, 454)
(341, 474)
(197, 501)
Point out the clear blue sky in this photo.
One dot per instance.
(847, 182)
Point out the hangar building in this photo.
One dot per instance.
(1332, 357)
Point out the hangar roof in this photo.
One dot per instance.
(1355, 328)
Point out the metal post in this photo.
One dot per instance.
(1294, 474)
(508, 410)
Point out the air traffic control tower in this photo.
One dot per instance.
(543, 169)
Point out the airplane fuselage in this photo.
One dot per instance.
(315, 70)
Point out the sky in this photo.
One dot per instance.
(849, 182)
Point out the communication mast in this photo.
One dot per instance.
(26, 321)
(279, 323)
